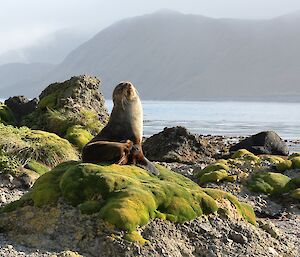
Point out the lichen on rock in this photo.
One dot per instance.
(128, 196)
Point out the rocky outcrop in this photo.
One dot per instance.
(21, 106)
(75, 102)
(266, 142)
(178, 145)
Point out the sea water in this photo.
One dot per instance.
(223, 117)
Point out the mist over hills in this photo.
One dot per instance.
(52, 48)
(173, 56)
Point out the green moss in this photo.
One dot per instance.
(292, 184)
(26, 144)
(296, 162)
(78, 136)
(245, 155)
(268, 183)
(213, 173)
(296, 194)
(126, 196)
(213, 176)
(212, 167)
(135, 237)
(284, 165)
(90, 207)
(37, 167)
(6, 115)
(244, 209)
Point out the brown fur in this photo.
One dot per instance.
(120, 141)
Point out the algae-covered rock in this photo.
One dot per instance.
(246, 155)
(296, 194)
(284, 165)
(26, 144)
(268, 183)
(6, 115)
(128, 196)
(73, 102)
(273, 159)
(215, 172)
(296, 162)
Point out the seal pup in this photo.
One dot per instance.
(120, 141)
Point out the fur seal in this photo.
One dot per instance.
(120, 141)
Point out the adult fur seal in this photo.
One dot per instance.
(120, 141)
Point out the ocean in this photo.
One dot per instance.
(223, 118)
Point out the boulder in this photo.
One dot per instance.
(21, 106)
(266, 142)
(176, 144)
(75, 102)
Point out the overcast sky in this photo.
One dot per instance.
(23, 22)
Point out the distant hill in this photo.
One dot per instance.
(173, 56)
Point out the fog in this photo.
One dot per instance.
(24, 23)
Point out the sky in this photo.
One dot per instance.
(24, 22)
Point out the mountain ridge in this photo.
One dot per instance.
(174, 56)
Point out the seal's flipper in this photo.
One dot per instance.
(149, 166)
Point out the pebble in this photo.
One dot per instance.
(238, 237)
(2, 199)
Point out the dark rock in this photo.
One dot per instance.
(178, 145)
(267, 142)
(21, 106)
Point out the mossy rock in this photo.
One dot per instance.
(268, 183)
(40, 146)
(76, 101)
(245, 155)
(296, 194)
(37, 167)
(284, 165)
(78, 136)
(243, 209)
(296, 162)
(213, 176)
(273, 159)
(126, 196)
(293, 184)
(215, 172)
(6, 115)
(212, 167)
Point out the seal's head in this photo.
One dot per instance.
(124, 93)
